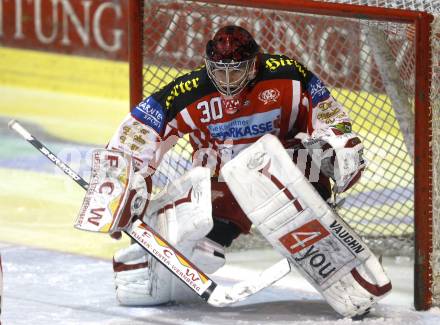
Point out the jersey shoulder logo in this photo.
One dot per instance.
(151, 113)
(269, 96)
(317, 91)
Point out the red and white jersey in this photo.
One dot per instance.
(284, 99)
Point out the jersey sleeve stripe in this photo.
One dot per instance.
(296, 96)
(170, 127)
(202, 135)
(195, 139)
(187, 119)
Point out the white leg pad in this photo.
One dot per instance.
(182, 214)
(293, 217)
(139, 279)
(209, 257)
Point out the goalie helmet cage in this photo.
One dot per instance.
(380, 63)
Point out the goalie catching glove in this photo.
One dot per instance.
(339, 155)
(292, 216)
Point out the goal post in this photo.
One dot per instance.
(380, 63)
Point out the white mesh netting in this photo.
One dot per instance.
(431, 6)
(369, 67)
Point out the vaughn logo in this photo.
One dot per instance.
(348, 239)
(304, 236)
(269, 96)
(257, 160)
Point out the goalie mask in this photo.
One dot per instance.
(231, 60)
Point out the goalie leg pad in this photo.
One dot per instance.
(139, 279)
(209, 256)
(359, 289)
(293, 217)
(181, 214)
(186, 205)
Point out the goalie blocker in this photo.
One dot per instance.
(298, 223)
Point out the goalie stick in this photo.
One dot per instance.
(1, 288)
(213, 293)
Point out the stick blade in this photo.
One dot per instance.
(223, 296)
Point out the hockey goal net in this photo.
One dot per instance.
(380, 63)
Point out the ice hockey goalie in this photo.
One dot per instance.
(241, 110)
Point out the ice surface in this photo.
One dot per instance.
(45, 287)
